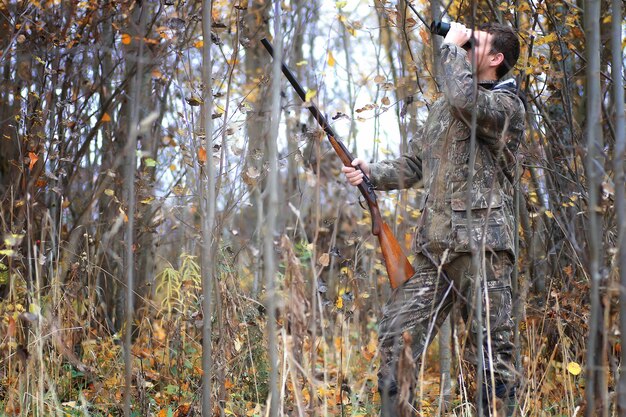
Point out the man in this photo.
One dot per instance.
(459, 183)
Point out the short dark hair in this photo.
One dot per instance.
(505, 41)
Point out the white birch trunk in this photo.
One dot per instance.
(269, 225)
(207, 210)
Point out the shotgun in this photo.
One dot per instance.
(399, 268)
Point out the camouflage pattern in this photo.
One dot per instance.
(423, 302)
(440, 157)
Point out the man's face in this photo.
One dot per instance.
(481, 52)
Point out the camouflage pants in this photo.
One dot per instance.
(421, 305)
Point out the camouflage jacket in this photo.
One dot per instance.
(440, 156)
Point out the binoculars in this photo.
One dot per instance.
(440, 28)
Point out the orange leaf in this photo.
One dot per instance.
(124, 215)
(11, 327)
(126, 39)
(106, 117)
(424, 35)
(202, 155)
(182, 410)
(367, 354)
(569, 271)
(33, 160)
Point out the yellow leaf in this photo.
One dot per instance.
(372, 346)
(109, 192)
(310, 94)
(126, 39)
(305, 395)
(339, 302)
(301, 63)
(194, 101)
(574, 368)
(551, 37)
(331, 59)
(106, 117)
(549, 214)
(199, 44)
(341, 4)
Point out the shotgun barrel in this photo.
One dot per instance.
(399, 269)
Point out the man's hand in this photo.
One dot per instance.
(458, 34)
(355, 176)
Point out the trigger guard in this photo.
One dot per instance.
(360, 200)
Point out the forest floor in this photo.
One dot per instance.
(60, 360)
(89, 380)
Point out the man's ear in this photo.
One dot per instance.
(497, 59)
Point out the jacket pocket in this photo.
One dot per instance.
(489, 227)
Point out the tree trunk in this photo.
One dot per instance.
(207, 195)
(257, 126)
(620, 178)
(269, 229)
(595, 389)
(10, 79)
(140, 16)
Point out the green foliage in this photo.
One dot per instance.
(252, 368)
(179, 289)
(304, 251)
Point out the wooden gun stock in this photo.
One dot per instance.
(399, 268)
